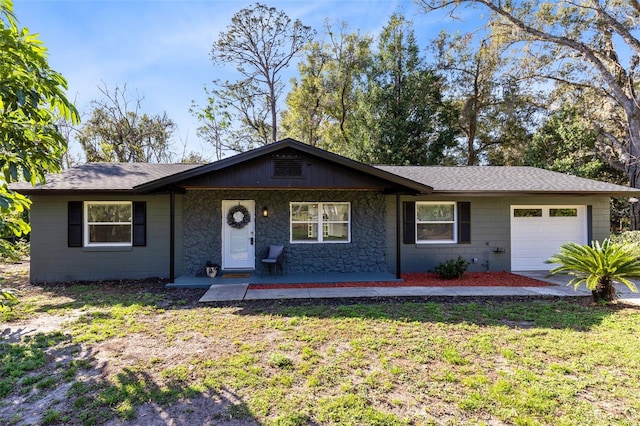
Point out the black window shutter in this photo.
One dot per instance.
(409, 222)
(464, 222)
(139, 223)
(74, 224)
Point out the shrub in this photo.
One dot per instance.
(630, 237)
(451, 269)
(599, 266)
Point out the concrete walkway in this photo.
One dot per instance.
(243, 291)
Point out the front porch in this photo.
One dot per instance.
(253, 277)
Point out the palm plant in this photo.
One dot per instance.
(599, 266)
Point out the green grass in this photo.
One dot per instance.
(526, 363)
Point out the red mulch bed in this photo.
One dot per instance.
(471, 279)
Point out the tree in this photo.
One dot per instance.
(32, 100)
(493, 112)
(564, 143)
(408, 120)
(581, 45)
(508, 125)
(117, 131)
(322, 103)
(193, 158)
(599, 266)
(261, 41)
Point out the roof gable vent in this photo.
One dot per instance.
(287, 167)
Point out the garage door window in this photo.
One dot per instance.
(563, 212)
(527, 212)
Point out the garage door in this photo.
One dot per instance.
(537, 232)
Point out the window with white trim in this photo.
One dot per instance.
(436, 222)
(108, 223)
(326, 222)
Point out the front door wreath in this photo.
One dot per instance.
(238, 217)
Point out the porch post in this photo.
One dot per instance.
(172, 237)
(398, 231)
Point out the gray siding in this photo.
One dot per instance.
(52, 260)
(198, 226)
(179, 235)
(490, 229)
(366, 251)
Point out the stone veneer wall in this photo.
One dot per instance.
(202, 226)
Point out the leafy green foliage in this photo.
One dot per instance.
(576, 52)
(565, 143)
(451, 269)
(599, 266)
(32, 100)
(8, 296)
(380, 106)
(323, 104)
(409, 123)
(494, 113)
(627, 237)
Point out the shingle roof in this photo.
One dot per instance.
(495, 179)
(104, 177)
(124, 177)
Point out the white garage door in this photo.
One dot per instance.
(537, 232)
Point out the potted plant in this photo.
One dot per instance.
(212, 269)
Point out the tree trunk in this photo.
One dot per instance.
(604, 292)
(633, 165)
(274, 112)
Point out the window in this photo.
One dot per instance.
(320, 222)
(436, 222)
(527, 212)
(108, 223)
(559, 212)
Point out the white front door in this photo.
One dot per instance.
(238, 234)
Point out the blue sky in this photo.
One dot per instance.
(160, 49)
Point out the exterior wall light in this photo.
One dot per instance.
(265, 211)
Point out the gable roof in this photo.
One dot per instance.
(501, 180)
(282, 146)
(149, 178)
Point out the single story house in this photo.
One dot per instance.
(122, 220)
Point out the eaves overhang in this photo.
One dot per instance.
(504, 194)
(73, 192)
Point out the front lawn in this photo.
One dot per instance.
(133, 353)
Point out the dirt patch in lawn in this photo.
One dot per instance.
(471, 279)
